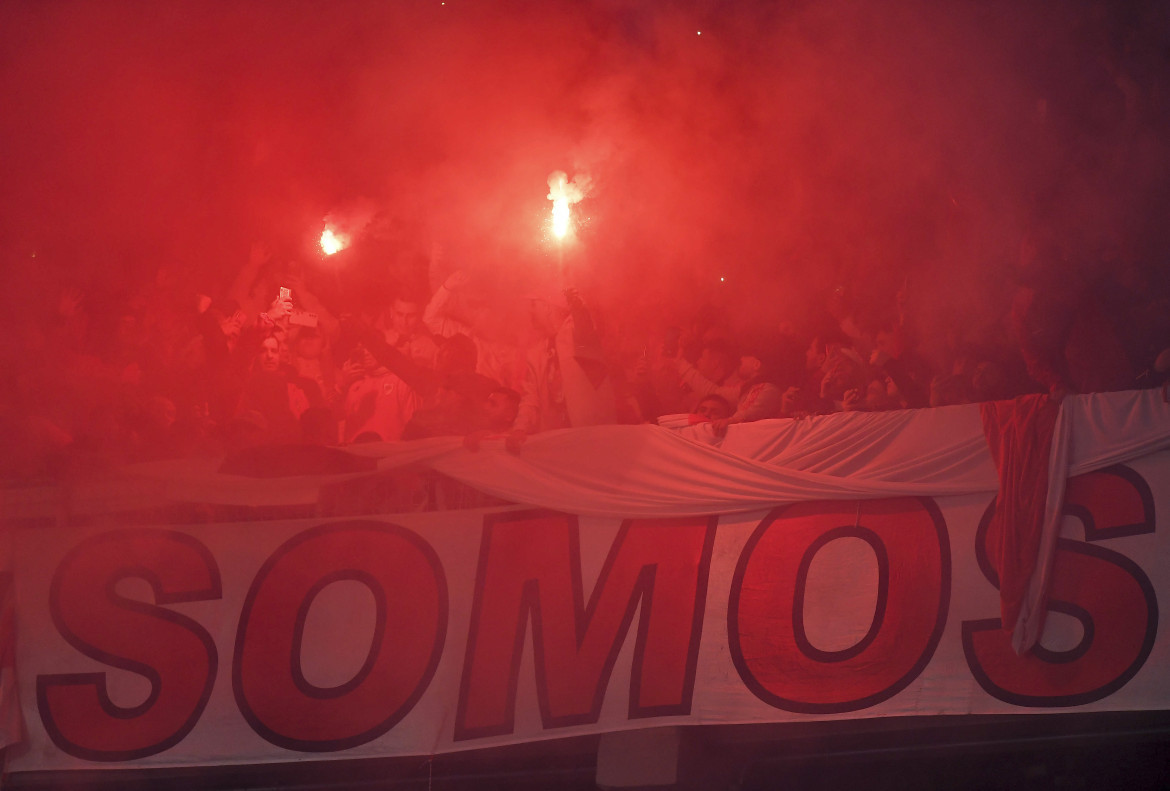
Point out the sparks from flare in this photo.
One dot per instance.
(333, 242)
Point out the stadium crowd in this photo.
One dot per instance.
(169, 372)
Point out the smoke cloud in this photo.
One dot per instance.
(561, 188)
(757, 154)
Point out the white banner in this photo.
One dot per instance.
(427, 633)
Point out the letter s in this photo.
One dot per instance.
(173, 652)
(1104, 590)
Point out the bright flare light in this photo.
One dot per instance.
(333, 242)
(560, 217)
(564, 193)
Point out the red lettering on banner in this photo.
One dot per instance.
(1107, 592)
(530, 569)
(406, 578)
(173, 652)
(765, 613)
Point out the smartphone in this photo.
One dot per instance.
(303, 318)
(285, 293)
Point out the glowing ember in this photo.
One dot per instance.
(333, 242)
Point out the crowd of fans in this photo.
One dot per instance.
(170, 373)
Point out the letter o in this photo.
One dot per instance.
(409, 588)
(765, 626)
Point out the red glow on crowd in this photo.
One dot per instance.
(888, 205)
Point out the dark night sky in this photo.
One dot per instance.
(789, 147)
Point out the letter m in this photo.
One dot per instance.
(530, 572)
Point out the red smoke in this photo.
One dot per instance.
(789, 148)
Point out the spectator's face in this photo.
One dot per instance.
(500, 411)
(405, 317)
(712, 409)
(946, 391)
(814, 356)
(270, 355)
(749, 366)
(841, 375)
(309, 347)
(989, 381)
(790, 400)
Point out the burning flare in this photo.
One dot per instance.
(564, 193)
(560, 217)
(333, 242)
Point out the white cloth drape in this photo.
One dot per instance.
(631, 471)
(653, 471)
